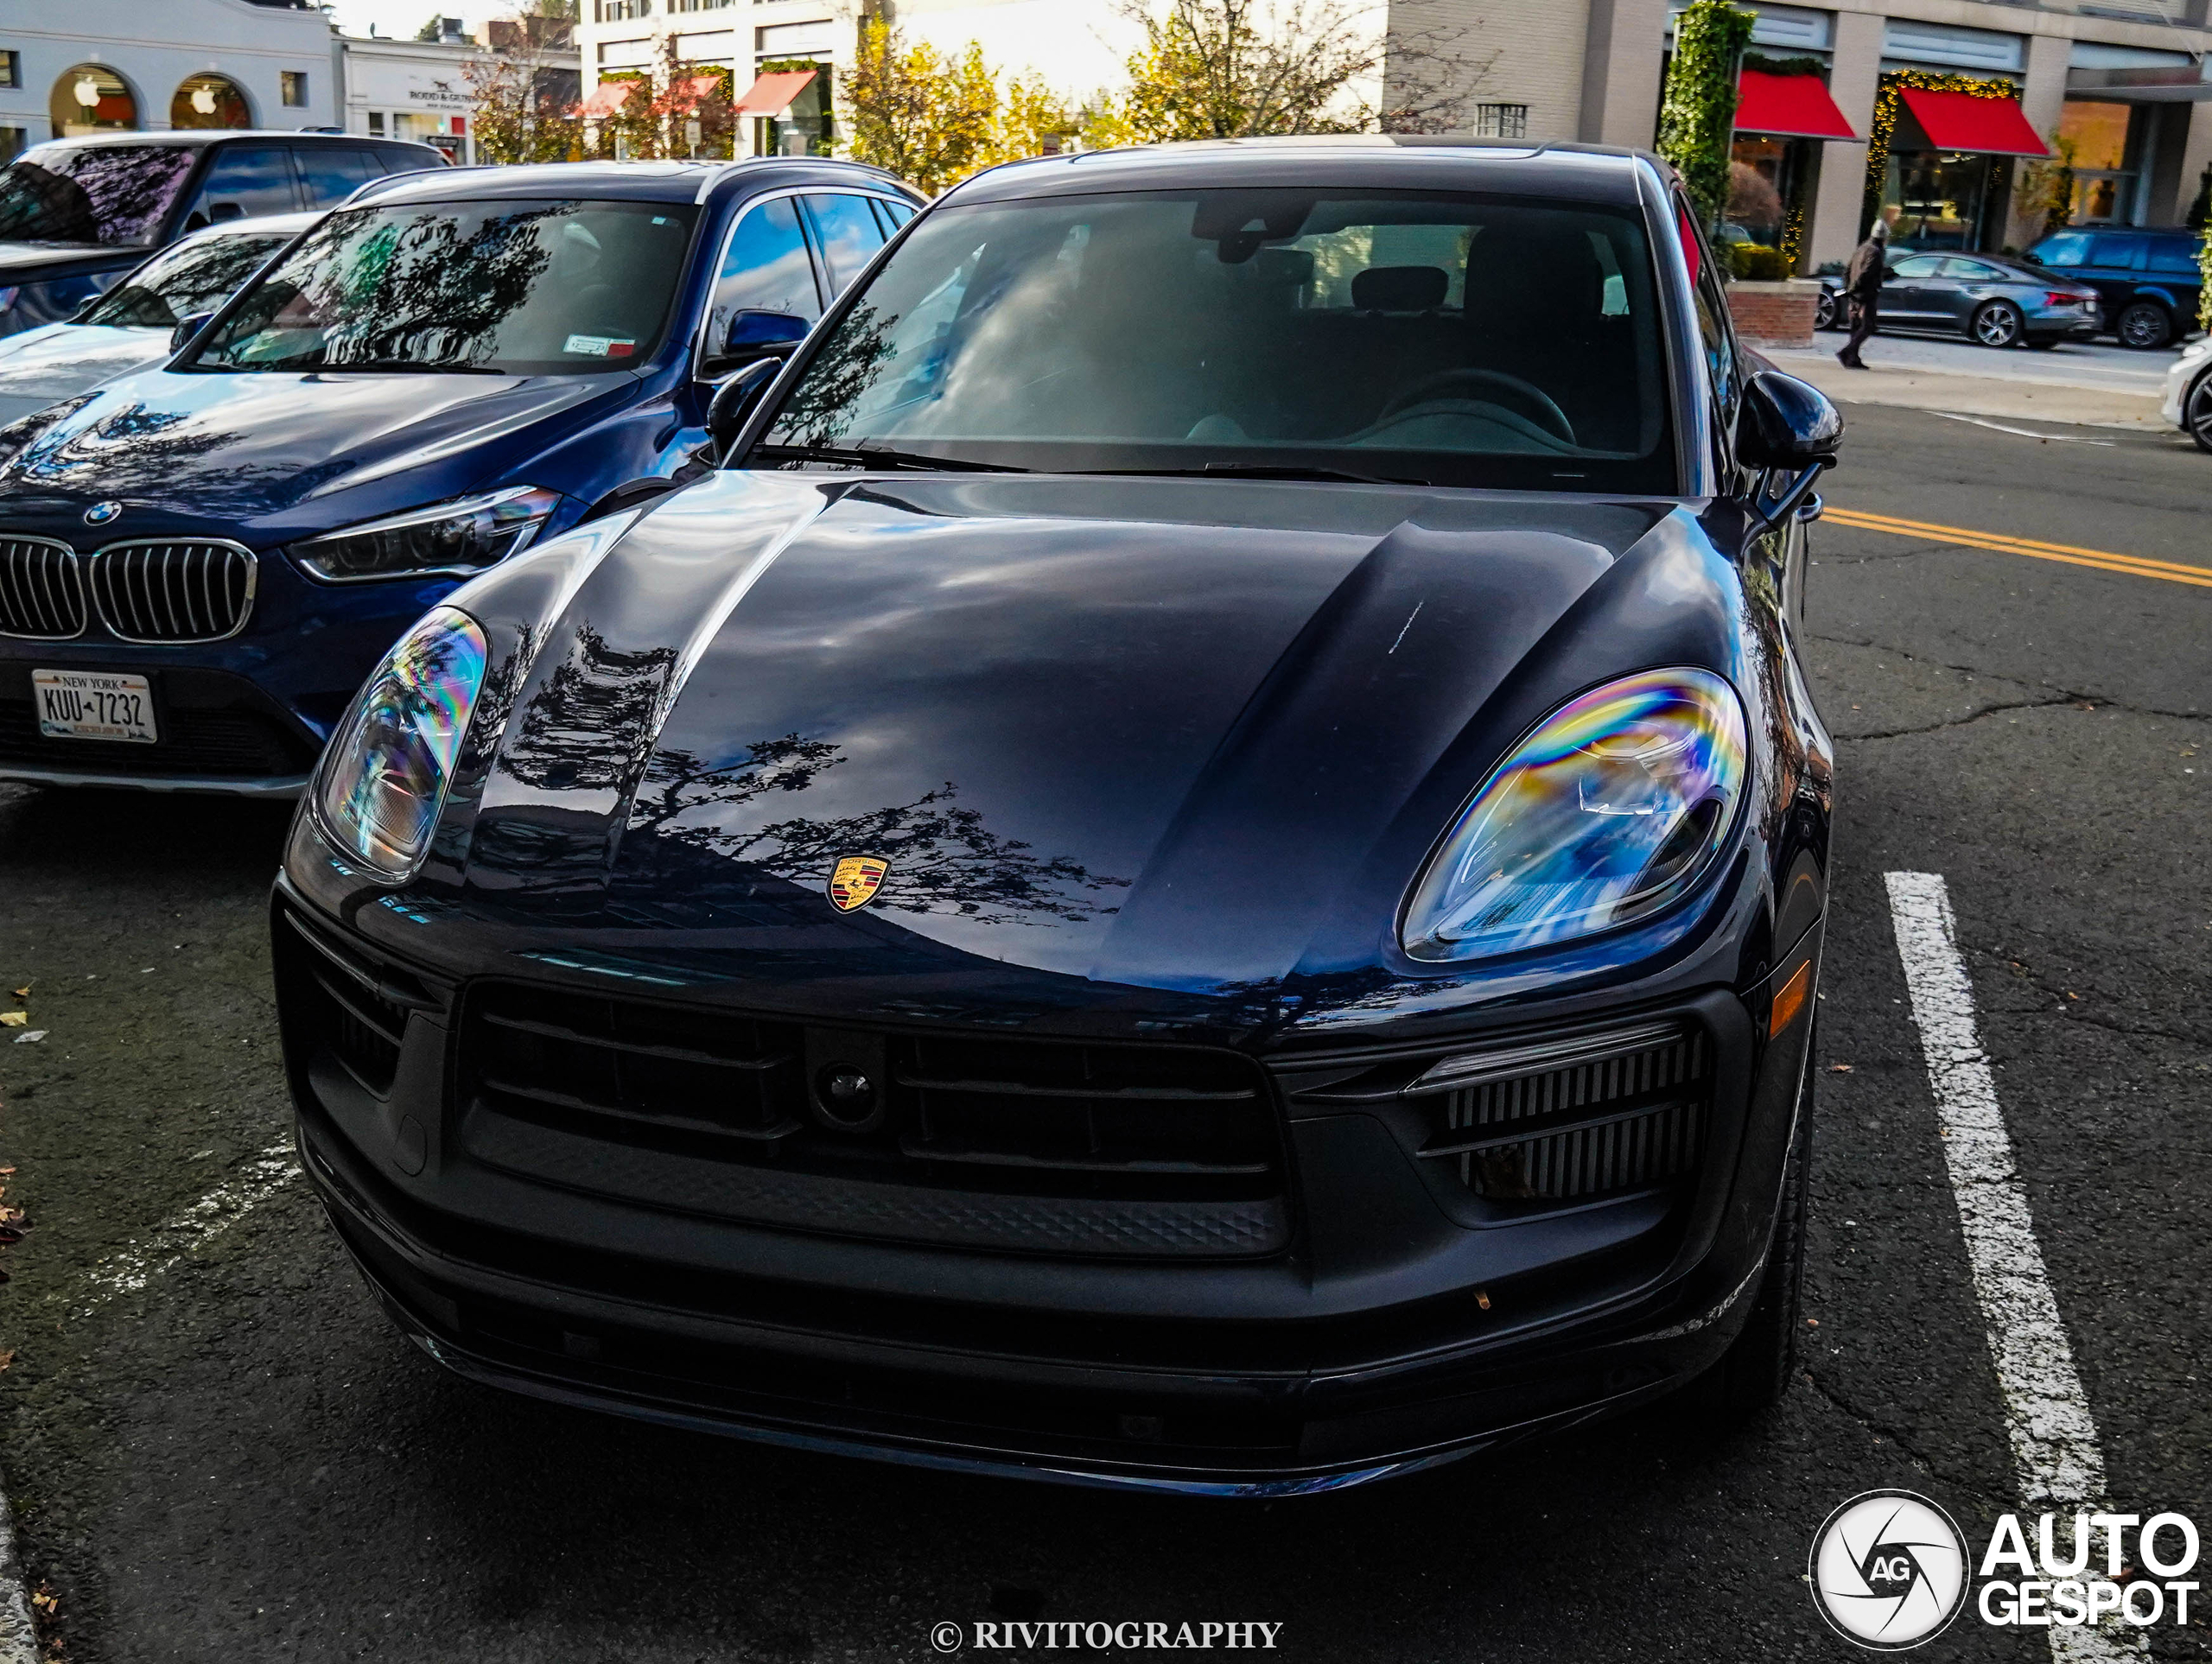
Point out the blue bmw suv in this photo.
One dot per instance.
(199, 561)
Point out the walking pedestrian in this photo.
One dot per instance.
(1862, 288)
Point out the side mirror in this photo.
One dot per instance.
(219, 211)
(733, 401)
(187, 328)
(752, 336)
(1786, 423)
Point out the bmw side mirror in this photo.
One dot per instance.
(752, 336)
(733, 401)
(187, 328)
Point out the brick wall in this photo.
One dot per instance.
(1775, 314)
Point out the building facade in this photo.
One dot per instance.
(2121, 83)
(414, 90)
(112, 65)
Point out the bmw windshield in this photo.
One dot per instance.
(1449, 339)
(517, 288)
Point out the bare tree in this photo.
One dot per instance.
(1241, 69)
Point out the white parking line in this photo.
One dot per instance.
(18, 1633)
(134, 1265)
(2055, 1452)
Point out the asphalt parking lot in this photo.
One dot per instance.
(217, 1449)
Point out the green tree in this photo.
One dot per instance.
(1697, 115)
(930, 118)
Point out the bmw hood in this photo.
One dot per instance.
(266, 456)
(41, 365)
(1188, 735)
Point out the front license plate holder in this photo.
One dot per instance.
(110, 705)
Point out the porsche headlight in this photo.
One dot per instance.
(1610, 809)
(458, 538)
(385, 774)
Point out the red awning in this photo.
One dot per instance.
(1960, 121)
(1790, 106)
(605, 98)
(773, 94)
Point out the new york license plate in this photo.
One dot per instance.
(94, 705)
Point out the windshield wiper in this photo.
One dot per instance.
(870, 456)
(412, 365)
(1262, 471)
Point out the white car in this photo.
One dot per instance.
(129, 326)
(2188, 402)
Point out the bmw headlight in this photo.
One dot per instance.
(1610, 809)
(385, 777)
(459, 537)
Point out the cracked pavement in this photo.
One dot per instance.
(242, 1461)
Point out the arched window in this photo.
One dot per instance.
(210, 101)
(92, 99)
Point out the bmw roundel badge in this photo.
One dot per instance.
(100, 513)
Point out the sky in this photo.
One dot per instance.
(400, 19)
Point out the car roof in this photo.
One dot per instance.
(1591, 173)
(642, 182)
(267, 225)
(200, 138)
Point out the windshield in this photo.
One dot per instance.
(527, 287)
(197, 276)
(1447, 340)
(119, 195)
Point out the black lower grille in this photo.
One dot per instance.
(1608, 1114)
(1151, 1150)
(339, 1005)
(239, 745)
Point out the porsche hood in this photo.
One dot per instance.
(1140, 731)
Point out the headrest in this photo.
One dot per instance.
(1400, 289)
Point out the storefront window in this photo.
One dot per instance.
(92, 99)
(2104, 140)
(1937, 199)
(210, 101)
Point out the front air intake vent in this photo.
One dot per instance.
(1627, 1112)
(167, 592)
(42, 589)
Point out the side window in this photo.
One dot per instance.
(2171, 254)
(1711, 315)
(243, 181)
(400, 159)
(329, 172)
(766, 270)
(2117, 252)
(848, 234)
(2067, 249)
(1972, 271)
(891, 214)
(1916, 267)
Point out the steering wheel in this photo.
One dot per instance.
(1549, 417)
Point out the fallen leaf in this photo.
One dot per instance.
(1839, 1069)
(14, 1018)
(6, 1170)
(6, 1358)
(1812, 1323)
(24, 992)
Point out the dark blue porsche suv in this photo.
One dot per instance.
(201, 561)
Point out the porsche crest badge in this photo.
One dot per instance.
(854, 880)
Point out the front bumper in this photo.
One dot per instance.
(246, 716)
(1397, 1327)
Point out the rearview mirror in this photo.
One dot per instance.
(1786, 423)
(752, 336)
(187, 328)
(733, 401)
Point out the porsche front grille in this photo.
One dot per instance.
(172, 592)
(1043, 1145)
(42, 590)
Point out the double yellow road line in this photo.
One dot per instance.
(2103, 560)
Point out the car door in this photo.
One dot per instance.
(1910, 297)
(2115, 257)
(766, 268)
(847, 232)
(243, 182)
(1962, 286)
